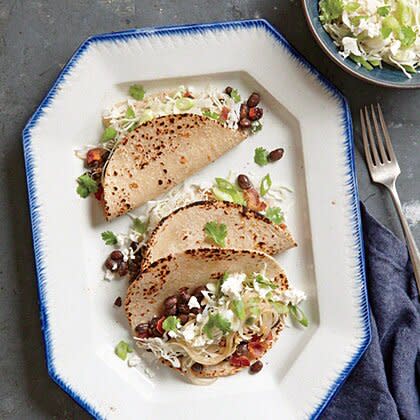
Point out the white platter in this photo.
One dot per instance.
(305, 115)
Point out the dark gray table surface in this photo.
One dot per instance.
(36, 40)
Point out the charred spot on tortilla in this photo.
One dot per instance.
(185, 145)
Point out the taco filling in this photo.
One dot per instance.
(231, 320)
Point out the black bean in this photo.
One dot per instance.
(254, 99)
(134, 245)
(170, 301)
(170, 311)
(96, 174)
(183, 308)
(116, 256)
(118, 301)
(111, 264)
(196, 311)
(244, 182)
(142, 330)
(183, 318)
(197, 367)
(255, 113)
(275, 154)
(243, 111)
(244, 123)
(183, 295)
(242, 349)
(228, 90)
(123, 269)
(198, 292)
(256, 366)
(153, 331)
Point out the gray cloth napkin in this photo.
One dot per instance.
(386, 382)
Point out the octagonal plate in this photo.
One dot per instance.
(304, 114)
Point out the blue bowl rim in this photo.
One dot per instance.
(343, 64)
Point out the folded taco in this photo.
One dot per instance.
(210, 312)
(160, 154)
(185, 228)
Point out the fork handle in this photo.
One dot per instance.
(412, 248)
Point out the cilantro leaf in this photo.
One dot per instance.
(217, 232)
(298, 315)
(265, 185)
(226, 191)
(86, 186)
(256, 126)
(275, 215)
(108, 134)
(261, 156)
(130, 113)
(383, 10)
(137, 92)
(330, 10)
(109, 238)
(122, 349)
(139, 226)
(211, 115)
(264, 282)
(235, 96)
(170, 323)
(216, 321)
(238, 309)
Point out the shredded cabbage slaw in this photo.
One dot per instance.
(373, 32)
(127, 115)
(263, 307)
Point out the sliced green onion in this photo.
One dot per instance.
(265, 185)
(146, 116)
(184, 104)
(122, 349)
(362, 61)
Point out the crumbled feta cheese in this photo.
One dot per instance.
(193, 303)
(189, 332)
(232, 285)
(128, 254)
(109, 275)
(293, 296)
(172, 334)
(134, 360)
(211, 287)
(350, 47)
(199, 341)
(261, 290)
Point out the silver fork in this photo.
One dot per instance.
(384, 169)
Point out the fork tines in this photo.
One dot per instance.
(377, 138)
